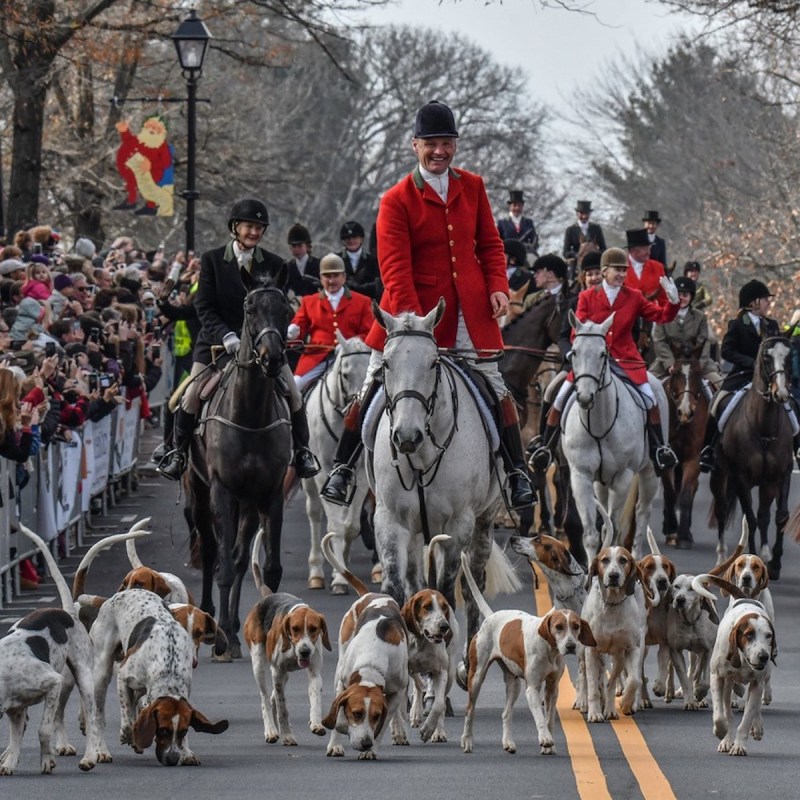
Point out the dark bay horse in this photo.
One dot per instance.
(688, 413)
(755, 449)
(526, 340)
(240, 455)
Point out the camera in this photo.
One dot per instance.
(94, 335)
(157, 332)
(155, 351)
(49, 349)
(105, 380)
(37, 248)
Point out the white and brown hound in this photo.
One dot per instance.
(35, 658)
(527, 647)
(433, 635)
(372, 672)
(157, 656)
(284, 635)
(166, 585)
(744, 650)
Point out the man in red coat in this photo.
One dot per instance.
(333, 308)
(437, 238)
(596, 304)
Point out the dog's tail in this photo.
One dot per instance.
(255, 564)
(330, 556)
(722, 568)
(431, 564)
(480, 600)
(651, 540)
(610, 533)
(79, 581)
(52, 565)
(130, 545)
(699, 585)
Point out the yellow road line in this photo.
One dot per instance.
(589, 776)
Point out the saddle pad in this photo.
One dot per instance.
(372, 416)
(732, 403)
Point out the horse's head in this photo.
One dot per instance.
(773, 369)
(349, 367)
(411, 373)
(685, 388)
(589, 358)
(266, 318)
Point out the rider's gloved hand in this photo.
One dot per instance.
(231, 343)
(293, 331)
(670, 288)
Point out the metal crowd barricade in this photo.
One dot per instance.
(62, 481)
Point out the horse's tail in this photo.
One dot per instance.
(55, 572)
(480, 601)
(501, 577)
(627, 520)
(430, 562)
(793, 525)
(327, 551)
(130, 544)
(721, 569)
(79, 581)
(255, 565)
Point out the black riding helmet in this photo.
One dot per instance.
(686, 285)
(248, 210)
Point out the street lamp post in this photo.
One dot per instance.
(191, 41)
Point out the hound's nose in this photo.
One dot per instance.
(613, 578)
(680, 601)
(365, 743)
(304, 652)
(570, 647)
(662, 584)
(444, 626)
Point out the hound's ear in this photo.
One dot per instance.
(638, 575)
(160, 586)
(286, 634)
(546, 632)
(671, 571)
(381, 721)
(763, 578)
(593, 567)
(144, 729)
(203, 725)
(773, 650)
(733, 648)
(586, 637)
(330, 721)
(326, 641)
(711, 609)
(410, 618)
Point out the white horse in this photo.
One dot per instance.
(433, 467)
(605, 437)
(325, 405)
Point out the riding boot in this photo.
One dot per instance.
(796, 446)
(339, 487)
(709, 445)
(513, 456)
(543, 451)
(305, 462)
(661, 454)
(537, 441)
(174, 463)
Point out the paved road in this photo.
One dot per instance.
(660, 753)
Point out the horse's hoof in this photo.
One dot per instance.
(339, 588)
(222, 658)
(448, 709)
(377, 574)
(316, 583)
(235, 649)
(774, 572)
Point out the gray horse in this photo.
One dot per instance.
(325, 405)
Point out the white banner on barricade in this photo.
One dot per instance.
(160, 393)
(97, 441)
(45, 508)
(66, 495)
(126, 437)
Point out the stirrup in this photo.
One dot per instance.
(534, 444)
(167, 461)
(310, 464)
(529, 499)
(707, 459)
(541, 458)
(348, 476)
(665, 457)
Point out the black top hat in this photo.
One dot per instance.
(651, 216)
(434, 119)
(515, 196)
(584, 206)
(637, 237)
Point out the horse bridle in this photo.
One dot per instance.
(767, 394)
(428, 403)
(598, 379)
(273, 367)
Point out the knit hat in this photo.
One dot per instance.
(10, 265)
(61, 282)
(29, 314)
(85, 247)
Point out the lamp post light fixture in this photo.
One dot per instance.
(191, 41)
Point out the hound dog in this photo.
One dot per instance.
(433, 633)
(372, 672)
(744, 649)
(658, 573)
(691, 625)
(156, 657)
(166, 585)
(615, 609)
(34, 657)
(565, 575)
(201, 627)
(527, 647)
(284, 634)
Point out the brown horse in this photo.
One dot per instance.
(688, 413)
(755, 449)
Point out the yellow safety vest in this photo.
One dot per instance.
(181, 338)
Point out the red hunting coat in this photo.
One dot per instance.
(429, 249)
(648, 284)
(353, 317)
(593, 306)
